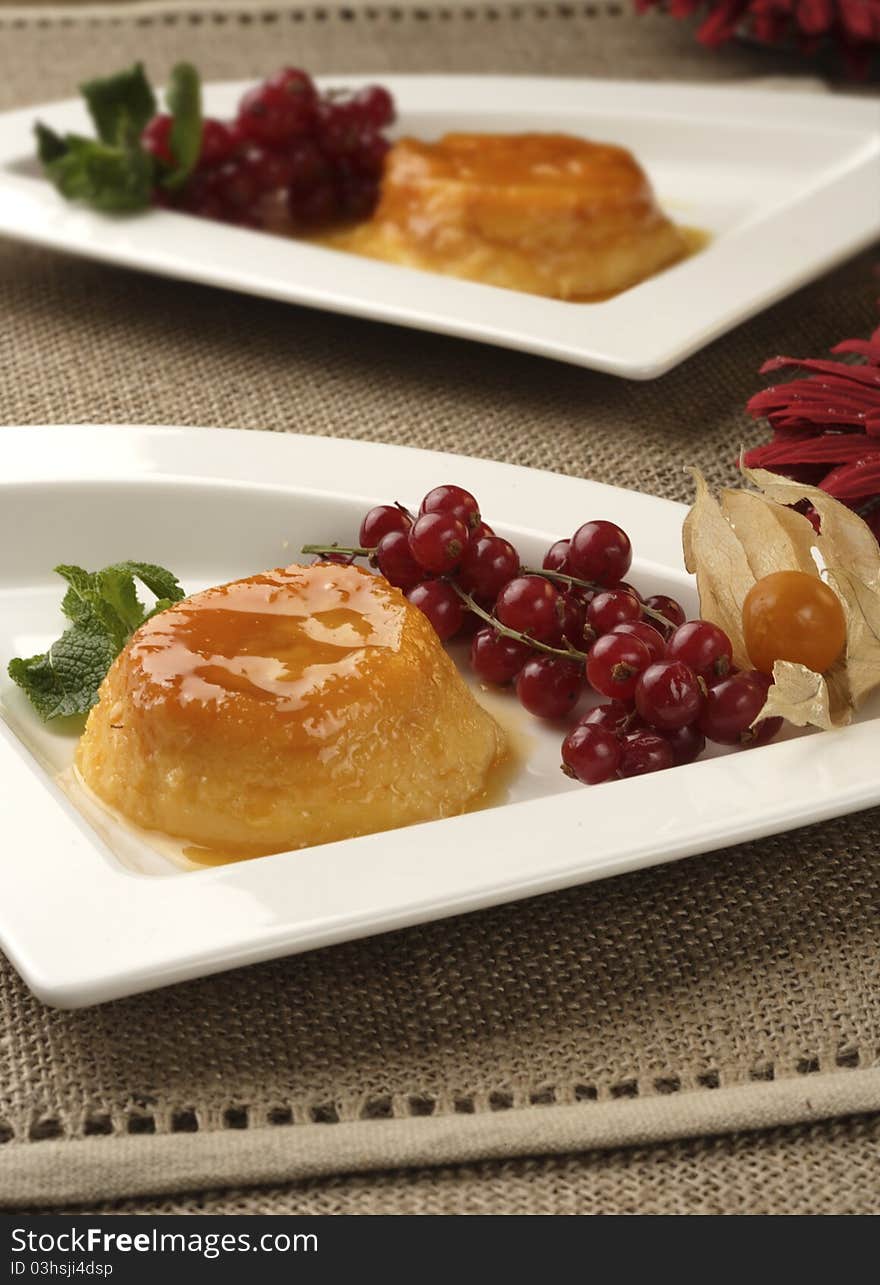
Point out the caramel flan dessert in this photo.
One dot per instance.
(296, 707)
(549, 214)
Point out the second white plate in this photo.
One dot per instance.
(786, 185)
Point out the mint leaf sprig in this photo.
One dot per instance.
(104, 610)
(114, 173)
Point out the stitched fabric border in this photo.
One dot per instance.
(60, 1173)
(257, 10)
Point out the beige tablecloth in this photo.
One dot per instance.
(698, 1037)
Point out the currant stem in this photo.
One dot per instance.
(590, 584)
(569, 653)
(356, 551)
(561, 575)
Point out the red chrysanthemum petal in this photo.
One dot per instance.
(853, 482)
(853, 25)
(826, 425)
(829, 448)
(869, 348)
(815, 17)
(869, 375)
(857, 19)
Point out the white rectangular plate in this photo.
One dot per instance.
(88, 915)
(786, 185)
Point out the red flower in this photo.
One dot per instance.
(854, 25)
(826, 427)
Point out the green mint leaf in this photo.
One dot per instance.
(65, 680)
(115, 180)
(77, 604)
(50, 146)
(120, 105)
(161, 604)
(117, 591)
(105, 611)
(184, 99)
(88, 603)
(159, 581)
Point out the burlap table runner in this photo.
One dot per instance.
(723, 995)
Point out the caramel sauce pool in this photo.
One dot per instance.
(359, 239)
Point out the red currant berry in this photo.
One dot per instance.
(307, 163)
(614, 717)
(396, 563)
(548, 686)
(379, 521)
(668, 695)
(270, 167)
(437, 541)
(453, 500)
(530, 605)
(218, 142)
(340, 559)
(614, 665)
(293, 80)
(600, 551)
(687, 743)
(556, 557)
(496, 659)
(624, 584)
(764, 731)
(338, 128)
(375, 105)
(480, 530)
(591, 754)
(704, 647)
(369, 159)
(441, 604)
(672, 611)
(237, 186)
(471, 623)
(201, 196)
(645, 633)
(279, 108)
(487, 564)
(313, 207)
(156, 138)
(645, 752)
(611, 608)
(358, 198)
(731, 708)
(573, 621)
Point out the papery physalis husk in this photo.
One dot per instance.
(732, 542)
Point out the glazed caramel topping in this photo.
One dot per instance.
(282, 637)
(519, 160)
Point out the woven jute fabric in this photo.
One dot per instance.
(718, 996)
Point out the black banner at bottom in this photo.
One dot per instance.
(130, 1249)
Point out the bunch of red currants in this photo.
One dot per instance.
(323, 152)
(571, 626)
